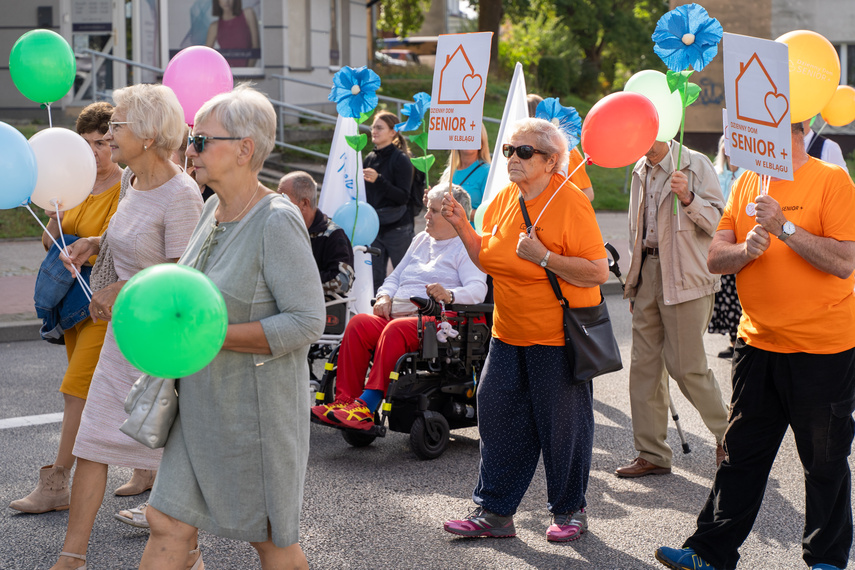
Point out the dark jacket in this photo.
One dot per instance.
(390, 194)
(333, 254)
(59, 298)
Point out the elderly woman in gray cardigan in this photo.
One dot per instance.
(235, 461)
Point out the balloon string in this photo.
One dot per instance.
(578, 166)
(547, 204)
(83, 283)
(49, 118)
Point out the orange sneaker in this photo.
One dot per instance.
(324, 412)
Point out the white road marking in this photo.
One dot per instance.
(25, 421)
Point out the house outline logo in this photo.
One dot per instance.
(457, 65)
(773, 107)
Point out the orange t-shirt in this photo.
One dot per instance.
(789, 305)
(92, 217)
(580, 177)
(526, 310)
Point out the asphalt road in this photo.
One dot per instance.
(381, 507)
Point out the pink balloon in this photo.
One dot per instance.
(196, 74)
(619, 129)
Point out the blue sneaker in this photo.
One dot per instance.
(681, 559)
(824, 566)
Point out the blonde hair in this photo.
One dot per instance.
(547, 138)
(454, 155)
(244, 112)
(153, 112)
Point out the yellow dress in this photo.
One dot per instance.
(83, 341)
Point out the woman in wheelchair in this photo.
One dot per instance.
(436, 264)
(527, 403)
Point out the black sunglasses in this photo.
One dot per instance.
(525, 151)
(198, 141)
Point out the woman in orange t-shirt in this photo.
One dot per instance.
(526, 401)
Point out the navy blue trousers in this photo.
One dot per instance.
(815, 395)
(526, 404)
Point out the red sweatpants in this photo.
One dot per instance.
(389, 340)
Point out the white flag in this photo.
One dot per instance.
(341, 181)
(516, 108)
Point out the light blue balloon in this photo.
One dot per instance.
(17, 168)
(367, 223)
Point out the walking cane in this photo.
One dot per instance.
(614, 268)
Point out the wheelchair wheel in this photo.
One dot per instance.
(356, 439)
(429, 435)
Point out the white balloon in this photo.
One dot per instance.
(654, 85)
(66, 169)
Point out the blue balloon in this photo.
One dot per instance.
(17, 168)
(366, 225)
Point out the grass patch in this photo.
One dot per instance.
(19, 223)
(608, 186)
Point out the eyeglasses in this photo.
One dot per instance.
(198, 141)
(525, 151)
(110, 124)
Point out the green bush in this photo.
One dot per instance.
(553, 76)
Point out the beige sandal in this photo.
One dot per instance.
(79, 557)
(134, 517)
(198, 565)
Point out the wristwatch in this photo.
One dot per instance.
(545, 259)
(451, 294)
(787, 230)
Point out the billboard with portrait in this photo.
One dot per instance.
(232, 27)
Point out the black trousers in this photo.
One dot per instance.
(393, 244)
(815, 395)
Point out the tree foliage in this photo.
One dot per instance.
(402, 17)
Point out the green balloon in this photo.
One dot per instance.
(42, 66)
(479, 218)
(170, 320)
(654, 85)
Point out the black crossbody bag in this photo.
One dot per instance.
(589, 340)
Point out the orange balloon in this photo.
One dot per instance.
(841, 109)
(814, 73)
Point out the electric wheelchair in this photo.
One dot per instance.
(432, 390)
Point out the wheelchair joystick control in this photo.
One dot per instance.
(427, 306)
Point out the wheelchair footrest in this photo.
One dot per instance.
(376, 430)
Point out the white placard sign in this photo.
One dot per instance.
(459, 83)
(757, 93)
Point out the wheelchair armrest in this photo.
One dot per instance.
(475, 308)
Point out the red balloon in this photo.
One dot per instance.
(619, 129)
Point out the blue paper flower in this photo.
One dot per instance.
(687, 36)
(354, 91)
(565, 118)
(415, 112)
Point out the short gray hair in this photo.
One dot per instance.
(303, 186)
(547, 138)
(461, 195)
(153, 112)
(244, 112)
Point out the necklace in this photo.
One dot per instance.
(257, 188)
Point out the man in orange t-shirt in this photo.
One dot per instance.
(794, 360)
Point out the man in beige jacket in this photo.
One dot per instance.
(671, 294)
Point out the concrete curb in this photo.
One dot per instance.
(16, 331)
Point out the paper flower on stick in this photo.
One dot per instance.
(565, 118)
(415, 112)
(354, 91)
(687, 37)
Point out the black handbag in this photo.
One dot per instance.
(589, 340)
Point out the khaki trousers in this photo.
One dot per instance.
(668, 339)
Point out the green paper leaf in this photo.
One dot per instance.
(423, 163)
(692, 92)
(420, 140)
(677, 78)
(357, 142)
(363, 117)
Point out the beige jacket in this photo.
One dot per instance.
(684, 239)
